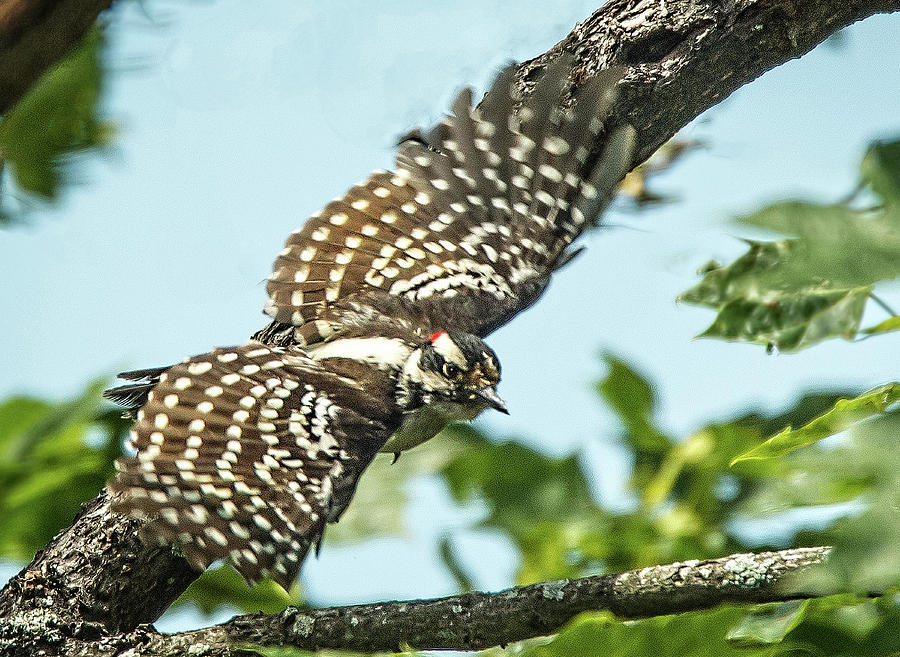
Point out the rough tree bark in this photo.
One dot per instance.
(96, 580)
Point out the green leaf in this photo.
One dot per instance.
(758, 302)
(224, 586)
(697, 634)
(46, 468)
(844, 413)
(847, 626)
(865, 558)
(768, 624)
(56, 119)
(17, 416)
(267, 651)
(880, 169)
(888, 325)
(836, 246)
(837, 625)
(631, 397)
(793, 293)
(695, 449)
(791, 322)
(543, 504)
(721, 284)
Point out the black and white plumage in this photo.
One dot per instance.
(246, 452)
(379, 304)
(463, 234)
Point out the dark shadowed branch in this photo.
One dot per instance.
(96, 579)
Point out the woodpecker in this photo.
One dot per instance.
(379, 305)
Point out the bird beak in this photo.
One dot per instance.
(489, 395)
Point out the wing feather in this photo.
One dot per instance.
(245, 453)
(475, 218)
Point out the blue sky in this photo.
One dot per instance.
(234, 126)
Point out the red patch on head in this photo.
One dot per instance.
(435, 336)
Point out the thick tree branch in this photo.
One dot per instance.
(96, 579)
(685, 56)
(475, 621)
(34, 35)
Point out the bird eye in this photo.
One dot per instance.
(451, 371)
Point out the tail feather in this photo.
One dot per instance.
(151, 373)
(134, 395)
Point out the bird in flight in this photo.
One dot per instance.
(379, 305)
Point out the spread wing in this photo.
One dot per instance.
(245, 453)
(470, 226)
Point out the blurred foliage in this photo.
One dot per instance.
(843, 626)
(768, 623)
(222, 585)
(792, 293)
(368, 516)
(543, 504)
(637, 183)
(699, 634)
(689, 504)
(56, 120)
(865, 557)
(830, 626)
(46, 468)
(686, 497)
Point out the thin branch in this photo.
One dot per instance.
(97, 575)
(475, 621)
(884, 306)
(97, 579)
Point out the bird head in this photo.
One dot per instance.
(452, 367)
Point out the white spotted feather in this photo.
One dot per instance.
(245, 453)
(238, 454)
(473, 221)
